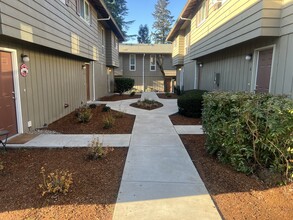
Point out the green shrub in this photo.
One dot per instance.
(123, 84)
(132, 94)
(106, 109)
(190, 103)
(250, 131)
(83, 114)
(92, 106)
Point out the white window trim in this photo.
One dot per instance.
(154, 64)
(103, 41)
(130, 62)
(200, 10)
(255, 66)
(89, 11)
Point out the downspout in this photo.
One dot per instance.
(143, 71)
(94, 87)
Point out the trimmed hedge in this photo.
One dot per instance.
(250, 131)
(190, 103)
(123, 84)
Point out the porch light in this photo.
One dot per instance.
(25, 58)
(83, 66)
(200, 65)
(248, 57)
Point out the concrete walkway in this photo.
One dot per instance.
(159, 179)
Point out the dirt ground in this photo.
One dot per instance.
(92, 195)
(178, 119)
(70, 125)
(236, 195)
(170, 96)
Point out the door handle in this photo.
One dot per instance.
(13, 97)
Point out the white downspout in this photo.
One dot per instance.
(143, 72)
(195, 76)
(94, 87)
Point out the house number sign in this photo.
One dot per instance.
(23, 70)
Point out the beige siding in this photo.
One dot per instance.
(51, 24)
(111, 50)
(178, 52)
(287, 18)
(234, 23)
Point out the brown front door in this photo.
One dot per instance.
(264, 69)
(88, 95)
(7, 99)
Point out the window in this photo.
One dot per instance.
(115, 42)
(202, 13)
(152, 62)
(175, 43)
(85, 10)
(132, 62)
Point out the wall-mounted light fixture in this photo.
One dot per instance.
(248, 57)
(109, 70)
(25, 58)
(83, 66)
(200, 64)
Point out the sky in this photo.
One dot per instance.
(141, 11)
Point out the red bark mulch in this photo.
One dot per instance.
(117, 97)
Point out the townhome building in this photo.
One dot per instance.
(55, 55)
(142, 62)
(235, 45)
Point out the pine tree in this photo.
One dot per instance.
(119, 11)
(143, 35)
(163, 21)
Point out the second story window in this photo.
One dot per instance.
(103, 40)
(132, 62)
(187, 43)
(152, 62)
(202, 13)
(85, 10)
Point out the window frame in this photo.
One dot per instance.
(103, 40)
(187, 43)
(134, 64)
(202, 13)
(153, 64)
(82, 12)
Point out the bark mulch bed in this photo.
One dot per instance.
(178, 119)
(170, 96)
(117, 97)
(92, 195)
(237, 195)
(147, 107)
(70, 125)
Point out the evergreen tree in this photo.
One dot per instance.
(143, 35)
(163, 21)
(119, 11)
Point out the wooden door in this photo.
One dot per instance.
(7, 99)
(264, 70)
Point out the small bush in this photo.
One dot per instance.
(92, 106)
(96, 150)
(56, 182)
(251, 132)
(132, 93)
(167, 94)
(119, 114)
(108, 121)
(83, 114)
(106, 109)
(123, 84)
(190, 103)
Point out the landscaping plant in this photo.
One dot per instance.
(190, 103)
(123, 84)
(84, 114)
(252, 132)
(56, 182)
(96, 149)
(108, 120)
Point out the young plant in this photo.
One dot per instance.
(106, 109)
(56, 182)
(96, 150)
(108, 121)
(84, 114)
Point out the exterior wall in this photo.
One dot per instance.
(233, 23)
(178, 50)
(153, 79)
(189, 76)
(111, 50)
(51, 24)
(53, 80)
